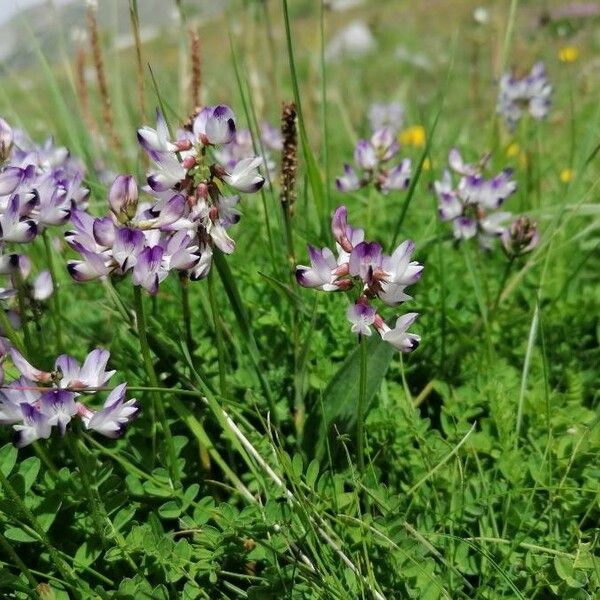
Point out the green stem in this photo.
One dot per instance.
(20, 507)
(56, 313)
(150, 372)
(362, 396)
(218, 333)
(12, 553)
(505, 275)
(186, 311)
(23, 312)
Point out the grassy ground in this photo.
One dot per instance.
(460, 497)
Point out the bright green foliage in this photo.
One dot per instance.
(457, 499)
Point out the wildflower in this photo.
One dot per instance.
(39, 186)
(520, 237)
(566, 175)
(38, 401)
(413, 136)
(512, 150)
(363, 265)
(371, 157)
(184, 213)
(470, 204)
(568, 54)
(530, 94)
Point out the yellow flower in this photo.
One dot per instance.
(413, 136)
(568, 54)
(513, 150)
(427, 164)
(566, 175)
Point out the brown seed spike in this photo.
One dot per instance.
(107, 115)
(196, 56)
(289, 157)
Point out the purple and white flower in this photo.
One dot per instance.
(37, 401)
(371, 157)
(470, 203)
(530, 94)
(362, 264)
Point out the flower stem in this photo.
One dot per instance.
(22, 310)
(151, 373)
(186, 312)
(505, 275)
(56, 313)
(218, 333)
(362, 396)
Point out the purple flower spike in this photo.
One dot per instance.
(115, 415)
(362, 316)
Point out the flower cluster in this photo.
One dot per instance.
(530, 94)
(363, 265)
(470, 204)
(38, 401)
(371, 157)
(186, 212)
(39, 186)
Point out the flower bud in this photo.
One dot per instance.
(521, 237)
(123, 197)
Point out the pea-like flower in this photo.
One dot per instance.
(38, 401)
(371, 157)
(470, 203)
(530, 94)
(39, 186)
(363, 266)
